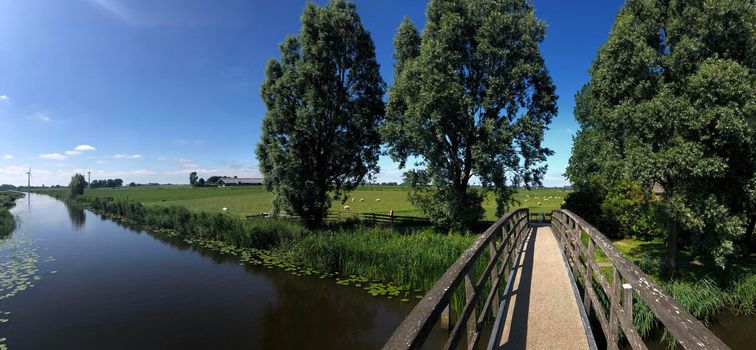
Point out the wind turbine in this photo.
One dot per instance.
(28, 179)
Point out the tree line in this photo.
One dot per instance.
(106, 183)
(470, 101)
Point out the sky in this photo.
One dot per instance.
(150, 90)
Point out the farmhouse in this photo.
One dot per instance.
(239, 181)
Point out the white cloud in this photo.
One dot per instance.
(72, 153)
(39, 116)
(84, 148)
(161, 158)
(4, 98)
(127, 156)
(8, 156)
(53, 156)
(102, 162)
(124, 172)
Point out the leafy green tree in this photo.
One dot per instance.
(132, 184)
(471, 100)
(213, 179)
(77, 185)
(324, 104)
(193, 178)
(671, 102)
(201, 182)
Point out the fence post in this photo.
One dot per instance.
(588, 277)
(472, 320)
(494, 275)
(613, 337)
(627, 292)
(445, 318)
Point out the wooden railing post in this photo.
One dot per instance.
(472, 324)
(445, 320)
(494, 274)
(627, 304)
(613, 339)
(588, 276)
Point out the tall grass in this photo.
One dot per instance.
(414, 260)
(7, 201)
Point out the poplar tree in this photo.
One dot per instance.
(470, 101)
(672, 102)
(324, 105)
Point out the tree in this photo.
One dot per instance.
(201, 182)
(77, 185)
(672, 102)
(193, 178)
(471, 99)
(132, 184)
(213, 179)
(324, 104)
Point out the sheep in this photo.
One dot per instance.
(225, 209)
(377, 199)
(346, 207)
(353, 199)
(362, 199)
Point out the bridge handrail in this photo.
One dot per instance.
(434, 307)
(687, 330)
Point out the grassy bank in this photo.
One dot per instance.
(254, 199)
(706, 290)
(7, 201)
(381, 261)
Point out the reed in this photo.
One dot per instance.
(7, 221)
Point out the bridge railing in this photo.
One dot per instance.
(502, 241)
(626, 279)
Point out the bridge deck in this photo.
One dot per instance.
(542, 311)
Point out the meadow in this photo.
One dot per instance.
(254, 200)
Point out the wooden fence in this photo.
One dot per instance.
(626, 280)
(393, 219)
(540, 217)
(504, 240)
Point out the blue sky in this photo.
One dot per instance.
(150, 90)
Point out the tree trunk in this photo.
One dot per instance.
(749, 234)
(671, 249)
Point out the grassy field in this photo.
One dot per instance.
(254, 200)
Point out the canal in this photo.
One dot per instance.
(73, 280)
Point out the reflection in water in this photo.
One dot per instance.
(77, 216)
(320, 312)
(119, 287)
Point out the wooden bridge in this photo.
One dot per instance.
(525, 283)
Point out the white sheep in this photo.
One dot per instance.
(377, 199)
(362, 199)
(353, 199)
(346, 207)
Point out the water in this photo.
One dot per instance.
(105, 286)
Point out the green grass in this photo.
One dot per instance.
(254, 200)
(699, 285)
(7, 201)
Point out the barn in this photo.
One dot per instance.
(239, 181)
